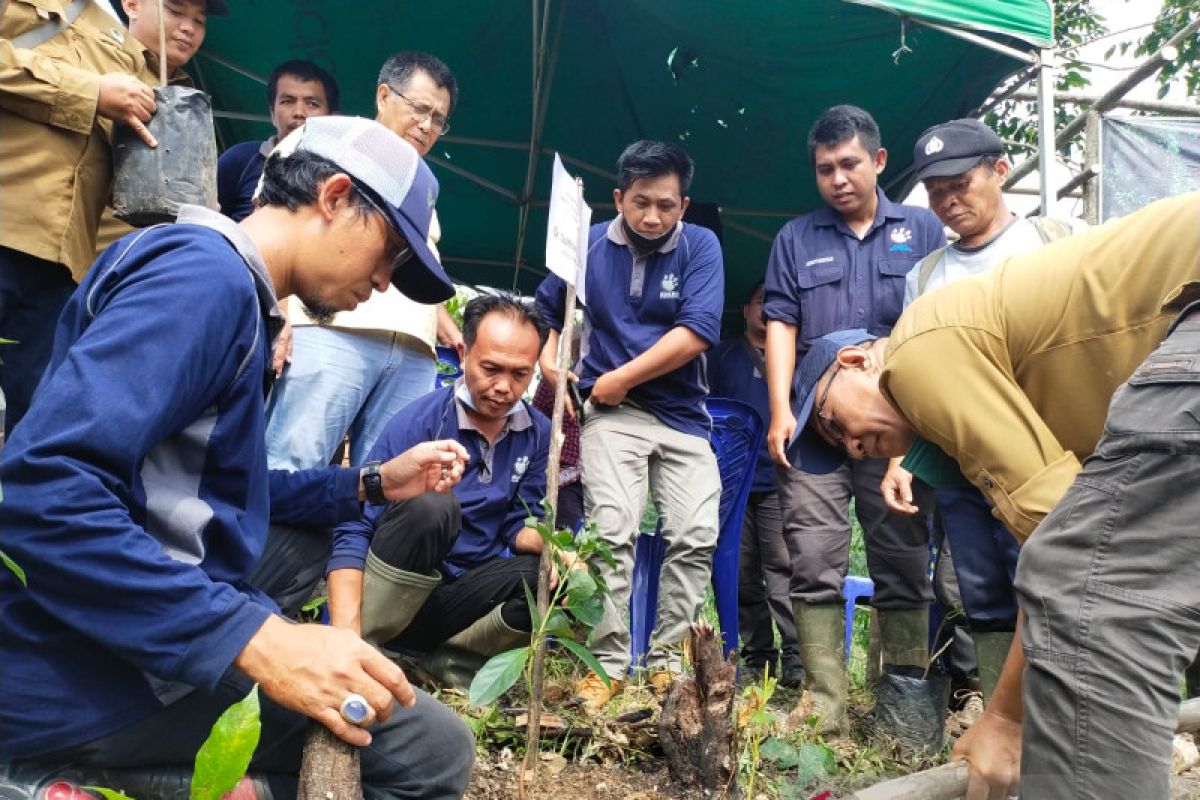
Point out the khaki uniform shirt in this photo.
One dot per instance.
(56, 169)
(1011, 372)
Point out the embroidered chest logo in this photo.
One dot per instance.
(900, 237)
(670, 287)
(519, 467)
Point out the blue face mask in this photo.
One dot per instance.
(465, 397)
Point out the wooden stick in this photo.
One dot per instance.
(162, 45)
(538, 668)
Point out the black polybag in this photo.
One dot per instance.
(150, 183)
(911, 709)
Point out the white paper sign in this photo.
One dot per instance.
(567, 227)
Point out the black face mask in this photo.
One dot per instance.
(641, 243)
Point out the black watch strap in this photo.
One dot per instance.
(373, 483)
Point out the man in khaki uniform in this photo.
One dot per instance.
(1012, 374)
(67, 71)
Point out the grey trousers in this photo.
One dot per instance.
(623, 449)
(421, 752)
(764, 574)
(1108, 584)
(817, 530)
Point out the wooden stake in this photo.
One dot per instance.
(162, 45)
(538, 668)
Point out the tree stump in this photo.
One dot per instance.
(696, 727)
(329, 768)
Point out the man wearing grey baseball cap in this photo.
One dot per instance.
(137, 495)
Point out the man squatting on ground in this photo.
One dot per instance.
(843, 266)
(444, 575)
(963, 167)
(1011, 374)
(654, 287)
(137, 493)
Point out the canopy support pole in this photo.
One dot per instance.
(542, 79)
(1046, 148)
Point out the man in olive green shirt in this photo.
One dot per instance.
(1011, 373)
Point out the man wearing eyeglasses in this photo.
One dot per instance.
(843, 266)
(351, 372)
(1041, 381)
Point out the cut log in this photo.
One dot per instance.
(696, 725)
(329, 768)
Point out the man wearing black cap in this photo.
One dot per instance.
(137, 495)
(1018, 375)
(843, 266)
(963, 167)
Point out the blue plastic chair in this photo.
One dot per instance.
(854, 587)
(448, 367)
(736, 438)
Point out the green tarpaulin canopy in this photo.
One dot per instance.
(737, 83)
(1030, 21)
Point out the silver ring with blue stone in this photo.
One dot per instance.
(355, 709)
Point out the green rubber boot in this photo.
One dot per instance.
(391, 598)
(456, 660)
(991, 650)
(904, 637)
(822, 633)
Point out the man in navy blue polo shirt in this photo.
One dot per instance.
(764, 568)
(843, 266)
(444, 574)
(654, 288)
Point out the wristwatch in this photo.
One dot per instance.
(373, 483)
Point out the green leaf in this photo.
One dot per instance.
(557, 623)
(534, 616)
(14, 567)
(589, 610)
(497, 676)
(225, 755)
(580, 585)
(107, 794)
(777, 750)
(585, 655)
(815, 762)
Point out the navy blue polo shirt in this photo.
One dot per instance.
(633, 300)
(733, 373)
(823, 278)
(503, 484)
(238, 171)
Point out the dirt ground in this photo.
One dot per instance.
(607, 760)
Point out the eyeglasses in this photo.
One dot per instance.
(828, 422)
(406, 251)
(424, 111)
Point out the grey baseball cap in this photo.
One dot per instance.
(395, 177)
(954, 147)
(808, 451)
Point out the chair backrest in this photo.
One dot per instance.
(448, 367)
(736, 438)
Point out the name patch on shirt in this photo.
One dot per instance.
(821, 260)
(1166, 365)
(670, 287)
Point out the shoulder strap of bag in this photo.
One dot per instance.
(928, 264)
(52, 27)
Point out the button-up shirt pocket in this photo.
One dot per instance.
(821, 297)
(890, 301)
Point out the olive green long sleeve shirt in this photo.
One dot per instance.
(1011, 372)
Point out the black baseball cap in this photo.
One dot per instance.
(808, 451)
(954, 147)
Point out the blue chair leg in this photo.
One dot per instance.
(643, 595)
(725, 586)
(854, 587)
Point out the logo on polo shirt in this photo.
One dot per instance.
(900, 237)
(934, 145)
(670, 287)
(519, 467)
